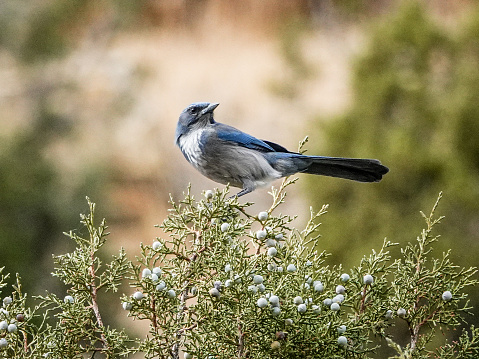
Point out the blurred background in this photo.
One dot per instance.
(91, 91)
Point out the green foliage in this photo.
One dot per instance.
(29, 214)
(42, 31)
(415, 109)
(290, 35)
(226, 283)
(34, 197)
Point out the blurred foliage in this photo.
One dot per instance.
(36, 199)
(36, 31)
(415, 109)
(35, 204)
(290, 34)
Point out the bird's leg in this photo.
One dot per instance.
(244, 191)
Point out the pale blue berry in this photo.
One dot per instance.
(298, 300)
(272, 267)
(327, 302)
(68, 299)
(7, 301)
(263, 216)
(447, 296)
(228, 268)
(225, 227)
(253, 289)
(146, 273)
(288, 322)
(157, 245)
(262, 302)
(335, 307)
(344, 277)
(306, 286)
(342, 341)
(257, 279)
(209, 194)
(275, 311)
(272, 252)
(401, 312)
(3, 325)
(291, 268)
(270, 242)
(217, 284)
(154, 277)
(308, 263)
(389, 314)
(302, 308)
(368, 279)
(3, 343)
(261, 234)
(157, 270)
(161, 285)
(12, 328)
(138, 295)
(318, 286)
(338, 298)
(228, 283)
(274, 300)
(308, 279)
(188, 355)
(261, 287)
(316, 309)
(214, 292)
(127, 305)
(341, 329)
(279, 269)
(340, 289)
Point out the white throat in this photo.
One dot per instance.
(190, 146)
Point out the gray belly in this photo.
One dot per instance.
(238, 166)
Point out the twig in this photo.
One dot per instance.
(362, 307)
(95, 308)
(184, 297)
(25, 341)
(192, 326)
(240, 341)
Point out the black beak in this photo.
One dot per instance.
(211, 107)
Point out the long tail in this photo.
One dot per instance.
(356, 169)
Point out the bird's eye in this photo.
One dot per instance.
(193, 110)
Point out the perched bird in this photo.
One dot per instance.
(226, 155)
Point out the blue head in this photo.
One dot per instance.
(194, 117)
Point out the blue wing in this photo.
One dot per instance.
(231, 134)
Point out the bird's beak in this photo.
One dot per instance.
(211, 107)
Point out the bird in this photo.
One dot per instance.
(227, 155)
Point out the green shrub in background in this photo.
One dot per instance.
(226, 283)
(33, 197)
(415, 108)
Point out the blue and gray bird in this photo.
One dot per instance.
(229, 156)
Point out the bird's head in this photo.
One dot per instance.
(194, 117)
